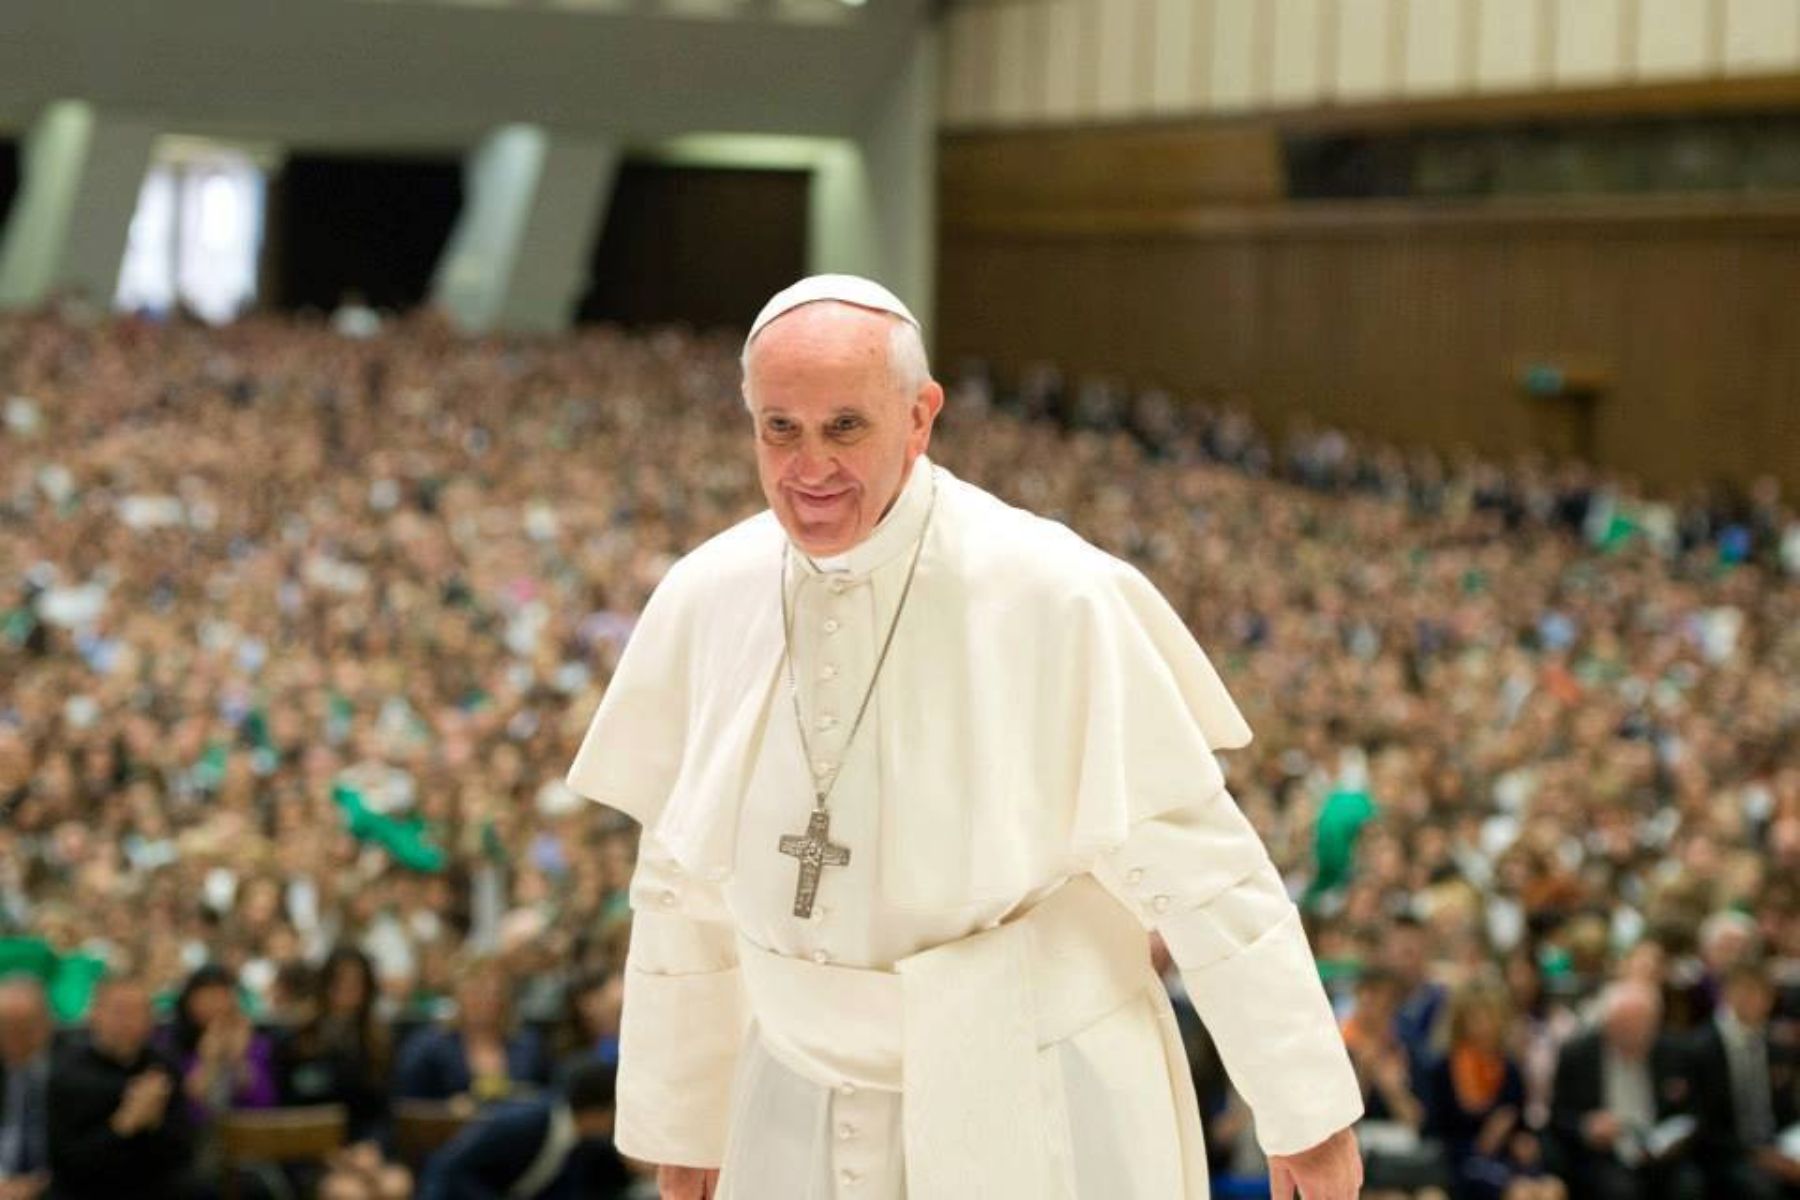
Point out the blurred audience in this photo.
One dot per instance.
(301, 629)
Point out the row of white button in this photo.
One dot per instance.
(669, 897)
(823, 768)
(847, 1176)
(1159, 902)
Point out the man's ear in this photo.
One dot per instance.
(925, 408)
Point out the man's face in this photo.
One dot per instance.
(1405, 955)
(121, 1020)
(1378, 1003)
(835, 435)
(1750, 1000)
(481, 1002)
(24, 1024)
(1631, 1025)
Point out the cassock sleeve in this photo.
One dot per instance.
(1201, 877)
(684, 1017)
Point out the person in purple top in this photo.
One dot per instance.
(225, 1063)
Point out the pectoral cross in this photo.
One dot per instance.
(815, 852)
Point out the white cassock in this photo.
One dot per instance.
(970, 1009)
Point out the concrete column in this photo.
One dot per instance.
(80, 174)
(533, 202)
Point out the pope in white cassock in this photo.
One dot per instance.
(916, 771)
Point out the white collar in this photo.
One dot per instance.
(892, 534)
(1736, 1031)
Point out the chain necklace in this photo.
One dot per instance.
(814, 848)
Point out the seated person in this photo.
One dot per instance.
(1614, 1086)
(117, 1127)
(1745, 1093)
(589, 1028)
(225, 1064)
(25, 1033)
(540, 1149)
(478, 1054)
(339, 1053)
(1476, 1105)
(1384, 1070)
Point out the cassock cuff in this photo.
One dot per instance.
(679, 1041)
(1268, 1013)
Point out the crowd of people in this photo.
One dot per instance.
(301, 630)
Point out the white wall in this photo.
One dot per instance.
(1024, 62)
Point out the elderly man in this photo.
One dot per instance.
(113, 1130)
(1621, 1091)
(25, 1033)
(916, 771)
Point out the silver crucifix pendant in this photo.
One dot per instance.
(815, 852)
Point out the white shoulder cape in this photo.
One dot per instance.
(1040, 698)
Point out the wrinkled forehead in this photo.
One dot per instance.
(823, 342)
(821, 326)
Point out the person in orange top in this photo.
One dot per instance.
(1477, 1101)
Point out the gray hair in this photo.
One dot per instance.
(1723, 924)
(908, 364)
(1620, 992)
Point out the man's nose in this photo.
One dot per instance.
(814, 461)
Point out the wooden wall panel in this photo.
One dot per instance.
(1434, 36)
(1082, 169)
(1762, 35)
(1673, 39)
(1589, 37)
(1410, 323)
(1364, 66)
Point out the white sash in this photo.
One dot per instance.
(957, 1030)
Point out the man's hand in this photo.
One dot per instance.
(25, 1187)
(1601, 1129)
(1777, 1165)
(1331, 1170)
(687, 1183)
(142, 1105)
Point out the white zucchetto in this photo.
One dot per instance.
(850, 289)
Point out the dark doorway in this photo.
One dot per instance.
(373, 225)
(704, 246)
